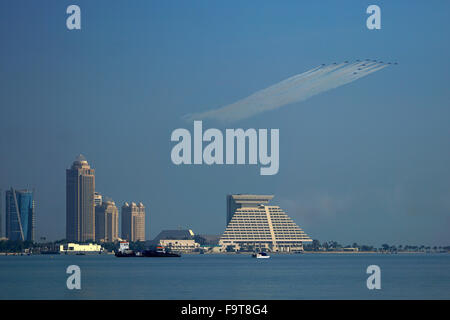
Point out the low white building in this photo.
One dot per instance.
(181, 241)
(75, 247)
(183, 246)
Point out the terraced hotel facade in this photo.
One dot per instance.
(254, 225)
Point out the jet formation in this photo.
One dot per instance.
(296, 88)
(364, 64)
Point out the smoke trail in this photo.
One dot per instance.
(293, 89)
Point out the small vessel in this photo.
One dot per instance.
(127, 253)
(124, 250)
(160, 252)
(260, 255)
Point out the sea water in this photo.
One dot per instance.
(233, 276)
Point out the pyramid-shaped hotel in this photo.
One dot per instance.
(253, 225)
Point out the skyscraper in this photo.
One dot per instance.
(80, 212)
(133, 222)
(258, 226)
(20, 215)
(106, 222)
(98, 199)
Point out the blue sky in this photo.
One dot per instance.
(366, 162)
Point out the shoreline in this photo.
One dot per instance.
(243, 253)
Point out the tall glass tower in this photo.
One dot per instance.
(80, 209)
(20, 215)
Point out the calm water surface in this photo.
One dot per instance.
(307, 276)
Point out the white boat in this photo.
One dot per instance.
(261, 255)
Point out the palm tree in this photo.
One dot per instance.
(315, 245)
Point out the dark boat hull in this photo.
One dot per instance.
(156, 254)
(125, 255)
(147, 254)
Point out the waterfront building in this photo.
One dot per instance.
(208, 239)
(20, 220)
(80, 212)
(181, 246)
(235, 201)
(133, 222)
(75, 248)
(106, 222)
(257, 226)
(180, 234)
(181, 241)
